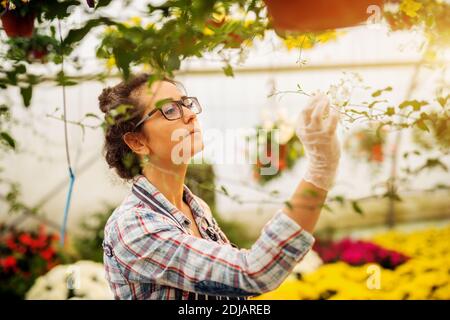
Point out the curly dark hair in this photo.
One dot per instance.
(122, 111)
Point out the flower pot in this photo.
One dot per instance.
(318, 15)
(37, 55)
(16, 25)
(377, 153)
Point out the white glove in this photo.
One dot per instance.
(320, 141)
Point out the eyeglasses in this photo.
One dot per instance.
(173, 110)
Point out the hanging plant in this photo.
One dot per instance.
(367, 143)
(39, 48)
(279, 151)
(318, 15)
(179, 31)
(435, 133)
(430, 16)
(16, 25)
(18, 16)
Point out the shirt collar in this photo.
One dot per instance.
(156, 195)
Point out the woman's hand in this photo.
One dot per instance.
(319, 139)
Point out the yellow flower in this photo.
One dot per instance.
(110, 63)
(307, 41)
(410, 7)
(150, 25)
(298, 42)
(146, 67)
(133, 22)
(207, 31)
(219, 12)
(176, 12)
(424, 276)
(219, 16)
(110, 29)
(136, 20)
(442, 292)
(247, 43)
(248, 23)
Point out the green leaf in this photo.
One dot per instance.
(415, 104)
(390, 111)
(379, 92)
(288, 204)
(225, 191)
(173, 62)
(357, 208)
(123, 60)
(26, 95)
(76, 35)
(327, 207)
(63, 80)
(102, 3)
(443, 101)
(20, 69)
(421, 125)
(91, 115)
(228, 70)
(8, 139)
(274, 192)
(4, 110)
(339, 199)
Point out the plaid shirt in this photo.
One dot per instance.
(150, 252)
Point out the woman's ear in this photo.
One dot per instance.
(137, 143)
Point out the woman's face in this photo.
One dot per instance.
(166, 141)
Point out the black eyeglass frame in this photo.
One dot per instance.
(179, 103)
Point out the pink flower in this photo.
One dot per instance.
(357, 252)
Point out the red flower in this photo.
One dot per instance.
(47, 254)
(10, 243)
(26, 239)
(9, 263)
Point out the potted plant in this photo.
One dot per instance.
(38, 48)
(282, 152)
(318, 15)
(366, 143)
(18, 17)
(437, 133)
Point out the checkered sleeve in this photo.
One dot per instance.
(148, 250)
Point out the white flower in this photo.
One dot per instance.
(86, 278)
(45, 290)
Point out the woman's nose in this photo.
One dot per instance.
(188, 115)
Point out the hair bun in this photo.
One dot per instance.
(106, 99)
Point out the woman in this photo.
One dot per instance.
(162, 241)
